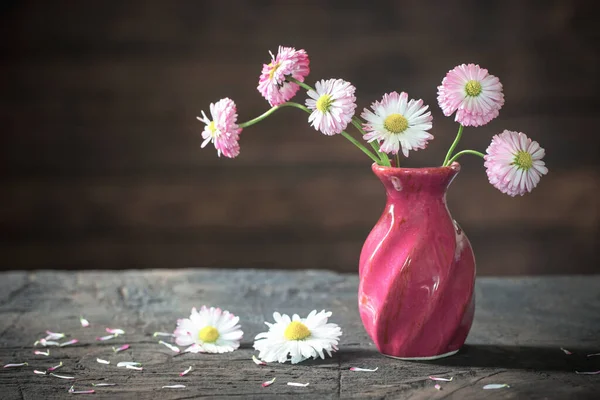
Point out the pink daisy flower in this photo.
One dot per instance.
(333, 105)
(272, 84)
(398, 123)
(514, 163)
(475, 95)
(222, 130)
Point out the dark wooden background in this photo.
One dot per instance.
(101, 164)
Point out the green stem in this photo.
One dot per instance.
(271, 111)
(301, 84)
(454, 144)
(303, 108)
(460, 153)
(398, 160)
(384, 158)
(360, 146)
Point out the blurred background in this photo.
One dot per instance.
(100, 159)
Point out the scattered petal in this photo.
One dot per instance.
(496, 386)
(257, 361)
(268, 383)
(174, 387)
(70, 342)
(165, 334)
(436, 378)
(107, 337)
(35, 371)
(84, 322)
(45, 342)
(122, 348)
(593, 355)
(170, 346)
(61, 376)
(187, 371)
(438, 386)
(115, 331)
(42, 353)
(134, 367)
(60, 364)
(101, 361)
(16, 365)
(54, 335)
(587, 373)
(357, 369)
(103, 384)
(566, 351)
(126, 363)
(298, 384)
(73, 391)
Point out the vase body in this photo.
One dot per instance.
(417, 269)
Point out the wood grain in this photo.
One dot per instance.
(519, 327)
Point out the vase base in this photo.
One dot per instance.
(451, 353)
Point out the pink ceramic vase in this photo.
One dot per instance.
(417, 269)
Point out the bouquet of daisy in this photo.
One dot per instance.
(395, 124)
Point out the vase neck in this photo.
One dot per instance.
(404, 183)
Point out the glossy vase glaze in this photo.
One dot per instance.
(417, 269)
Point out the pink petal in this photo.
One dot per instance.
(165, 334)
(496, 386)
(298, 384)
(187, 371)
(438, 386)
(103, 384)
(73, 391)
(107, 337)
(357, 369)
(35, 371)
(435, 378)
(566, 351)
(174, 387)
(42, 353)
(593, 355)
(101, 361)
(170, 346)
(70, 342)
(257, 361)
(61, 376)
(16, 365)
(84, 322)
(115, 331)
(129, 363)
(588, 373)
(54, 335)
(56, 367)
(268, 383)
(122, 348)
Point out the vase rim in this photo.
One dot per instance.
(455, 167)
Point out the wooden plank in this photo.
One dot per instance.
(328, 199)
(519, 326)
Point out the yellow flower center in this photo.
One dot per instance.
(212, 128)
(523, 160)
(395, 123)
(273, 69)
(473, 88)
(208, 334)
(324, 103)
(296, 331)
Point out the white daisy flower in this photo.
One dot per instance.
(398, 123)
(209, 331)
(300, 338)
(333, 105)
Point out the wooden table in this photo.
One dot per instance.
(519, 328)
